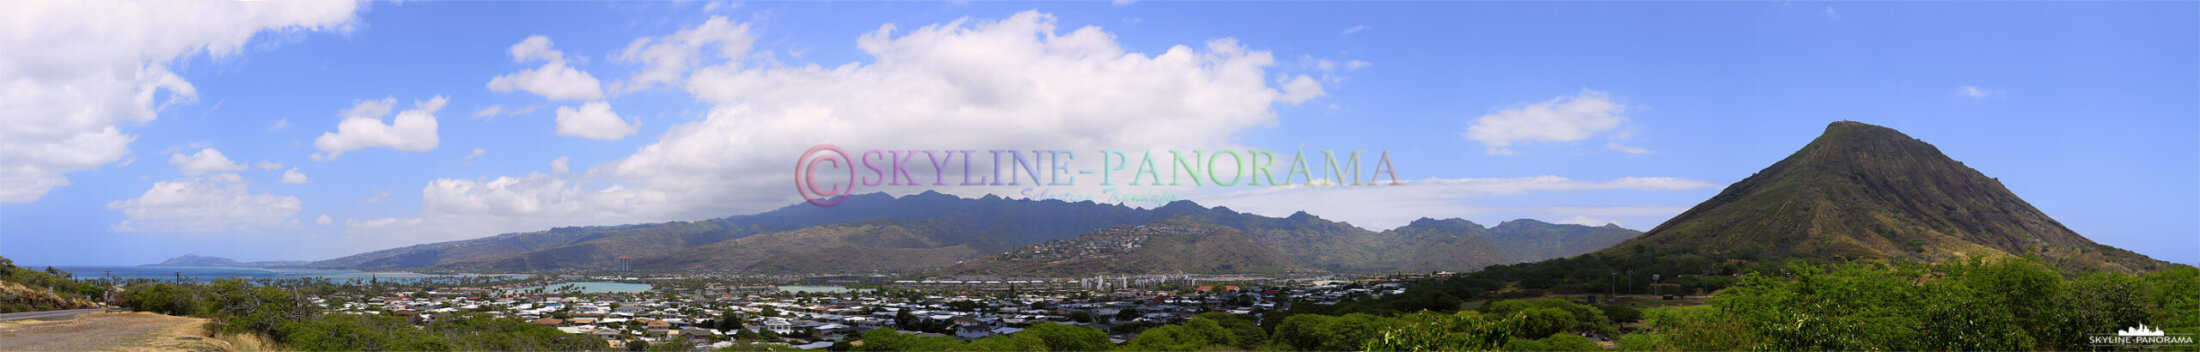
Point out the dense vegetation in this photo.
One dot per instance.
(23, 289)
(1968, 304)
(285, 316)
(1971, 304)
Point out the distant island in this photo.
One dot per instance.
(194, 260)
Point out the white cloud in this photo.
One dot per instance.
(75, 73)
(561, 165)
(475, 154)
(1354, 29)
(205, 161)
(278, 125)
(1627, 148)
(362, 127)
(963, 82)
(1585, 221)
(1830, 13)
(213, 203)
(377, 224)
(1975, 92)
(1562, 119)
(491, 112)
(377, 197)
(666, 60)
(554, 80)
(323, 220)
(535, 48)
(1301, 89)
(268, 165)
(292, 176)
(594, 120)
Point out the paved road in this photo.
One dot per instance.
(53, 314)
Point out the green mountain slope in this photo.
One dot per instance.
(1528, 240)
(1164, 247)
(1868, 192)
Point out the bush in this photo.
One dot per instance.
(1559, 342)
(1643, 342)
(1310, 332)
(883, 339)
(1245, 334)
(1058, 337)
(1462, 331)
(1700, 328)
(1621, 314)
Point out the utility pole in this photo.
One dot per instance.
(1615, 286)
(1630, 282)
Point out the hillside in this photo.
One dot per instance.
(1172, 246)
(599, 247)
(1868, 192)
(24, 289)
(197, 260)
(1528, 240)
(864, 246)
(880, 233)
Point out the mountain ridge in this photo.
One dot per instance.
(932, 224)
(1862, 191)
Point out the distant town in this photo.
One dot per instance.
(818, 312)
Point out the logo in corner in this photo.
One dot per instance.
(2141, 330)
(2142, 336)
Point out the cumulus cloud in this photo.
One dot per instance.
(1300, 89)
(964, 82)
(666, 60)
(292, 176)
(562, 164)
(323, 220)
(362, 127)
(1562, 119)
(205, 161)
(554, 80)
(76, 73)
(268, 165)
(212, 203)
(594, 120)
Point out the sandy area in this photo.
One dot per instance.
(109, 332)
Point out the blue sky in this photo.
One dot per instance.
(1586, 112)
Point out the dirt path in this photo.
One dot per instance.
(109, 332)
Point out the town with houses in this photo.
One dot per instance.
(819, 317)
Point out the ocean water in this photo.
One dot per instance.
(210, 273)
